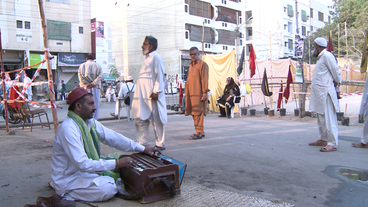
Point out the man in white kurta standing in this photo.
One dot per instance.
(75, 158)
(149, 103)
(90, 74)
(127, 87)
(363, 113)
(323, 99)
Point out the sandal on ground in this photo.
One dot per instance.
(359, 145)
(318, 143)
(194, 137)
(328, 148)
(201, 135)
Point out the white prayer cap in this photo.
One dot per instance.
(129, 78)
(321, 41)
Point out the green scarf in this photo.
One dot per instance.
(91, 143)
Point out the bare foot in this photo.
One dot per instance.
(359, 145)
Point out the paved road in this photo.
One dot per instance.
(265, 157)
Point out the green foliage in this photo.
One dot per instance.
(114, 72)
(354, 13)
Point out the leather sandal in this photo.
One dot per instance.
(195, 137)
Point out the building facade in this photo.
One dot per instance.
(276, 28)
(68, 27)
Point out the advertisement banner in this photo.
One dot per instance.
(299, 46)
(100, 30)
(298, 75)
(71, 59)
(36, 58)
(26, 58)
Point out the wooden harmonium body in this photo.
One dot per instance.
(155, 178)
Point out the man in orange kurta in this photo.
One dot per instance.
(196, 89)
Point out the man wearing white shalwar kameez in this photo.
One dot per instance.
(74, 170)
(323, 99)
(363, 112)
(149, 103)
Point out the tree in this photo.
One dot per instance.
(354, 13)
(114, 72)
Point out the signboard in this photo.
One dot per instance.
(36, 58)
(24, 37)
(93, 26)
(298, 75)
(71, 59)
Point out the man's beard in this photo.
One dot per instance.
(315, 53)
(145, 51)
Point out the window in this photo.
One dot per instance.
(205, 21)
(248, 49)
(290, 10)
(186, 8)
(209, 45)
(290, 27)
(320, 16)
(80, 30)
(19, 24)
(199, 8)
(286, 44)
(304, 16)
(304, 30)
(205, 45)
(290, 44)
(285, 26)
(59, 30)
(285, 9)
(60, 1)
(27, 25)
(241, 42)
(186, 35)
(311, 28)
(208, 21)
(311, 12)
(249, 33)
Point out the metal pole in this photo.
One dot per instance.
(203, 40)
(338, 41)
(347, 55)
(4, 88)
(48, 64)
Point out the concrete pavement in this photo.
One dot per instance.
(260, 156)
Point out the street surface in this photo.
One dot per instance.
(259, 156)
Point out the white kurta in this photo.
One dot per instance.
(71, 168)
(323, 83)
(150, 79)
(122, 93)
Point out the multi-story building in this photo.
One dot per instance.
(178, 25)
(68, 27)
(283, 24)
(274, 27)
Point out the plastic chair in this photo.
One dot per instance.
(236, 104)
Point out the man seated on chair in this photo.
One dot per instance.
(126, 87)
(226, 100)
(110, 93)
(78, 171)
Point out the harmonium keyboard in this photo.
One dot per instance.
(155, 178)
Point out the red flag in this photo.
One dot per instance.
(181, 96)
(280, 99)
(287, 88)
(252, 61)
(329, 46)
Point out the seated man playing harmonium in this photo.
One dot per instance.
(78, 171)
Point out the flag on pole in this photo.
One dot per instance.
(329, 45)
(280, 99)
(287, 88)
(265, 89)
(239, 70)
(252, 61)
(363, 65)
(181, 96)
(172, 93)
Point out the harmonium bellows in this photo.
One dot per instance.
(155, 178)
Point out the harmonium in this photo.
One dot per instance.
(156, 177)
